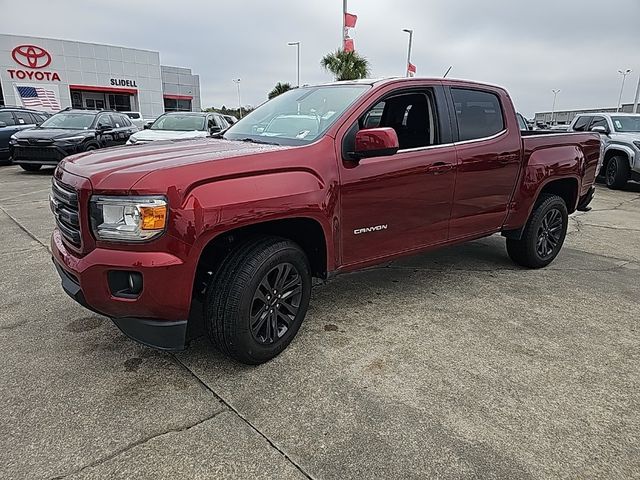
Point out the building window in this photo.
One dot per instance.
(175, 105)
(121, 103)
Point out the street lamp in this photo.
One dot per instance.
(237, 82)
(297, 45)
(410, 32)
(553, 110)
(624, 74)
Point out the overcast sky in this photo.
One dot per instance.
(527, 46)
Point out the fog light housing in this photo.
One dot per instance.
(125, 284)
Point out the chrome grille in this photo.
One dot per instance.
(64, 205)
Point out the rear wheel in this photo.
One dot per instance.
(544, 234)
(29, 167)
(256, 301)
(617, 172)
(90, 147)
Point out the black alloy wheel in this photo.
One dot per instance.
(275, 303)
(549, 233)
(612, 172)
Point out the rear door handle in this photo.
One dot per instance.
(508, 158)
(440, 167)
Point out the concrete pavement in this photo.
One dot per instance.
(454, 364)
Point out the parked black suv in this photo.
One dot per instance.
(69, 132)
(12, 120)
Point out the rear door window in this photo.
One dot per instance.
(581, 124)
(599, 122)
(24, 118)
(478, 113)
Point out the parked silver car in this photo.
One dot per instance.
(621, 140)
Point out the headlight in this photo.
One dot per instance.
(73, 139)
(128, 219)
(637, 144)
(133, 140)
(13, 140)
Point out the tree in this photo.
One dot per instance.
(279, 89)
(346, 65)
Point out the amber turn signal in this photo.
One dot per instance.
(153, 218)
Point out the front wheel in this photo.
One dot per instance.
(617, 172)
(544, 234)
(256, 301)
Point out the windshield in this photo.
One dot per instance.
(626, 124)
(75, 121)
(180, 123)
(298, 116)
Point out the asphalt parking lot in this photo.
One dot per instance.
(453, 364)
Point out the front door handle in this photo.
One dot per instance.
(440, 167)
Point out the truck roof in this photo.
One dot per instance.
(384, 80)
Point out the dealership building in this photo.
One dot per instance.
(49, 74)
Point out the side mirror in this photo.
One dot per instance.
(214, 129)
(375, 142)
(601, 129)
(147, 125)
(104, 128)
(3, 124)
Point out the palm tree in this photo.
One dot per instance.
(346, 65)
(279, 89)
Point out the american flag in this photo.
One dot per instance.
(39, 97)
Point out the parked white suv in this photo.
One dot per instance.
(621, 141)
(180, 126)
(136, 118)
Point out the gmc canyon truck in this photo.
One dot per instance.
(225, 234)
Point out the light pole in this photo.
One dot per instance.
(624, 74)
(553, 109)
(635, 103)
(297, 44)
(410, 32)
(237, 82)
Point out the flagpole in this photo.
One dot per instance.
(410, 32)
(344, 24)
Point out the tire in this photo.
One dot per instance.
(238, 308)
(30, 167)
(543, 235)
(617, 172)
(90, 147)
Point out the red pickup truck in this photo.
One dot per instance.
(225, 234)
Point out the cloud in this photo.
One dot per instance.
(530, 47)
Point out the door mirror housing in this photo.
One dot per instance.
(214, 129)
(375, 142)
(601, 129)
(103, 128)
(147, 125)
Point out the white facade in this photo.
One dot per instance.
(49, 74)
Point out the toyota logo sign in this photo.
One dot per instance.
(31, 56)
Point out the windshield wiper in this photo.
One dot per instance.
(253, 140)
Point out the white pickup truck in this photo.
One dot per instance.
(620, 134)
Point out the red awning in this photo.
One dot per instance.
(90, 88)
(178, 97)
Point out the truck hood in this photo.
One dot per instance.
(626, 136)
(153, 135)
(120, 168)
(49, 133)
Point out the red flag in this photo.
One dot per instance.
(411, 69)
(350, 20)
(348, 45)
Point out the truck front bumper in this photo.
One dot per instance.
(154, 318)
